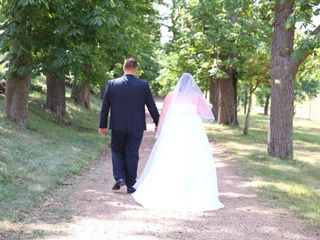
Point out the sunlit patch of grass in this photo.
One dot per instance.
(40, 82)
(291, 184)
(34, 160)
(299, 198)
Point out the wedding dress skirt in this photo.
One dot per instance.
(180, 174)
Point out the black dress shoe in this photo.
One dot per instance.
(131, 190)
(120, 183)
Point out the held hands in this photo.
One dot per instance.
(103, 131)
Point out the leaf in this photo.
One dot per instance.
(6, 58)
(30, 2)
(291, 21)
(97, 21)
(24, 2)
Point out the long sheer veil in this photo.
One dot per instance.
(181, 153)
(187, 92)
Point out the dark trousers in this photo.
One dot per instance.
(125, 155)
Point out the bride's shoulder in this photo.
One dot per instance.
(169, 95)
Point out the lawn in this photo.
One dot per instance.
(37, 159)
(290, 184)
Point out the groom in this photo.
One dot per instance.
(126, 98)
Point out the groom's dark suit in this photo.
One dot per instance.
(126, 98)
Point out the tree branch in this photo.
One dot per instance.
(255, 87)
(166, 25)
(298, 61)
(316, 31)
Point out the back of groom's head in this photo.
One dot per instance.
(130, 63)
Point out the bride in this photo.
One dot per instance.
(180, 173)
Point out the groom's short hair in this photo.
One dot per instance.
(130, 63)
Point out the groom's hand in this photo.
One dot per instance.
(103, 131)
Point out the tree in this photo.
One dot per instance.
(52, 55)
(56, 95)
(214, 97)
(215, 40)
(218, 21)
(255, 72)
(19, 28)
(113, 33)
(82, 39)
(285, 63)
(233, 31)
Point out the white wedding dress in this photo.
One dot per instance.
(180, 174)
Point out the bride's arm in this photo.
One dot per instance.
(204, 108)
(164, 111)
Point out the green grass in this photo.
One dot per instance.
(35, 160)
(290, 184)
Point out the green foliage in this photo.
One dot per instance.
(2, 71)
(307, 40)
(212, 36)
(304, 10)
(308, 79)
(86, 39)
(262, 93)
(171, 71)
(18, 25)
(307, 85)
(35, 160)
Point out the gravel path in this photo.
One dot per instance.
(85, 208)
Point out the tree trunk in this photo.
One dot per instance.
(2, 86)
(245, 103)
(17, 98)
(56, 95)
(82, 95)
(20, 65)
(234, 108)
(280, 143)
(247, 123)
(102, 89)
(266, 106)
(74, 88)
(228, 99)
(214, 97)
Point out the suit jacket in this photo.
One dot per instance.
(126, 98)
